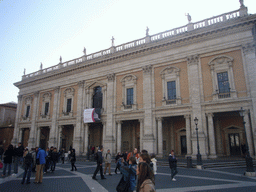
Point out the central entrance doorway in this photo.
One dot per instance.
(44, 137)
(234, 144)
(95, 134)
(130, 135)
(67, 137)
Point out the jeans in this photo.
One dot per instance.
(99, 168)
(173, 171)
(9, 168)
(17, 161)
(53, 164)
(27, 172)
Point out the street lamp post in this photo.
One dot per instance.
(199, 159)
(248, 158)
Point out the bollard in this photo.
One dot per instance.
(189, 162)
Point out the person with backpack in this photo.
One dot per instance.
(28, 163)
(54, 158)
(99, 164)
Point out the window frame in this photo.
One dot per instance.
(68, 94)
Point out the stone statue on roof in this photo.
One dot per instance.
(24, 72)
(84, 51)
(147, 30)
(241, 3)
(188, 17)
(113, 41)
(41, 66)
(60, 59)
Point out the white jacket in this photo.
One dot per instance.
(154, 165)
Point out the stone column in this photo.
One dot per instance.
(54, 126)
(248, 132)
(219, 138)
(194, 79)
(109, 137)
(250, 72)
(148, 137)
(86, 135)
(33, 129)
(141, 133)
(77, 132)
(59, 137)
(119, 135)
(38, 136)
(105, 145)
(16, 134)
(188, 134)
(212, 143)
(160, 136)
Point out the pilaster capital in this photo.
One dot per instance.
(147, 69)
(111, 77)
(187, 116)
(248, 48)
(193, 59)
(80, 84)
(159, 118)
(36, 94)
(19, 98)
(141, 120)
(119, 122)
(56, 89)
(210, 115)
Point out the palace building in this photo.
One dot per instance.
(149, 91)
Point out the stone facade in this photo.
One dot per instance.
(191, 57)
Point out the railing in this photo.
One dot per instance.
(139, 42)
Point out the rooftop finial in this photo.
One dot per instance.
(147, 30)
(241, 3)
(60, 59)
(84, 51)
(24, 72)
(41, 66)
(188, 17)
(113, 41)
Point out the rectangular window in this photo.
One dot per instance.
(28, 110)
(171, 90)
(46, 108)
(69, 105)
(223, 82)
(129, 96)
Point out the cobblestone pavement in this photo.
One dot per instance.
(222, 179)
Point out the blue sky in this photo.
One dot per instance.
(35, 31)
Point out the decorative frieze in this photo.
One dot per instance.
(111, 77)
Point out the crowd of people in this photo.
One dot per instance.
(35, 160)
(138, 169)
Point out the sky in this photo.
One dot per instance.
(40, 31)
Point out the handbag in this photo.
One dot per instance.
(123, 186)
(1, 165)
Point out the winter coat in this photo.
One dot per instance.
(108, 158)
(41, 156)
(147, 186)
(99, 157)
(72, 157)
(19, 151)
(54, 156)
(8, 154)
(153, 160)
(130, 171)
(172, 161)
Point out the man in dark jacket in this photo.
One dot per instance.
(18, 152)
(173, 165)
(99, 159)
(54, 158)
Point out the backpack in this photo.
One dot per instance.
(96, 157)
(28, 159)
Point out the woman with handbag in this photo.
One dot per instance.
(146, 181)
(128, 180)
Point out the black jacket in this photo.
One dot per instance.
(172, 161)
(54, 156)
(99, 157)
(73, 157)
(8, 155)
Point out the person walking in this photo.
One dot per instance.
(18, 157)
(118, 162)
(8, 154)
(54, 158)
(133, 154)
(173, 165)
(28, 163)
(154, 161)
(99, 159)
(40, 166)
(108, 163)
(73, 159)
(146, 180)
(62, 155)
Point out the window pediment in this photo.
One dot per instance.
(220, 60)
(28, 100)
(69, 91)
(129, 79)
(172, 71)
(47, 96)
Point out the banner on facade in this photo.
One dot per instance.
(90, 116)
